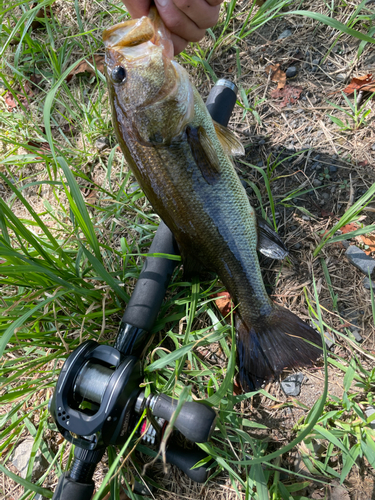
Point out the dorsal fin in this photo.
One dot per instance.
(231, 144)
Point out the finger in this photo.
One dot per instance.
(179, 44)
(214, 2)
(137, 8)
(200, 12)
(178, 22)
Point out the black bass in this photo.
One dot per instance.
(181, 159)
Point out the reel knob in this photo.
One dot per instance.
(196, 421)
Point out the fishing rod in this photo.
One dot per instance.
(98, 400)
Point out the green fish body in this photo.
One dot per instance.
(181, 160)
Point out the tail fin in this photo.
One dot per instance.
(273, 343)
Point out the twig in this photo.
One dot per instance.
(351, 193)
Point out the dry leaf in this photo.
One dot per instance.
(364, 163)
(368, 87)
(349, 228)
(223, 303)
(277, 75)
(10, 101)
(40, 145)
(369, 240)
(364, 83)
(88, 66)
(28, 90)
(325, 214)
(289, 95)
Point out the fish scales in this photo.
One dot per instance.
(181, 162)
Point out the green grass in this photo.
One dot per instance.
(68, 264)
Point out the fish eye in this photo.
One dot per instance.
(118, 74)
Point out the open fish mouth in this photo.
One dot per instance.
(134, 38)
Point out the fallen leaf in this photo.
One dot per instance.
(369, 240)
(277, 75)
(28, 90)
(60, 440)
(365, 83)
(348, 228)
(370, 87)
(289, 95)
(10, 101)
(344, 325)
(223, 303)
(88, 66)
(39, 145)
(326, 214)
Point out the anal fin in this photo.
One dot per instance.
(269, 242)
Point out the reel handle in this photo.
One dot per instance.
(196, 421)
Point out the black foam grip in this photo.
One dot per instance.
(186, 459)
(221, 101)
(196, 421)
(67, 489)
(149, 292)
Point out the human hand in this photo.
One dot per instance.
(187, 20)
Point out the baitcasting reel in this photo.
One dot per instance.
(97, 403)
(98, 400)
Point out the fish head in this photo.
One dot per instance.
(152, 98)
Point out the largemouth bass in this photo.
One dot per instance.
(181, 160)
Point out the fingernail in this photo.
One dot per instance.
(161, 3)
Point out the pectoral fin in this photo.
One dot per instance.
(269, 242)
(231, 144)
(204, 153)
